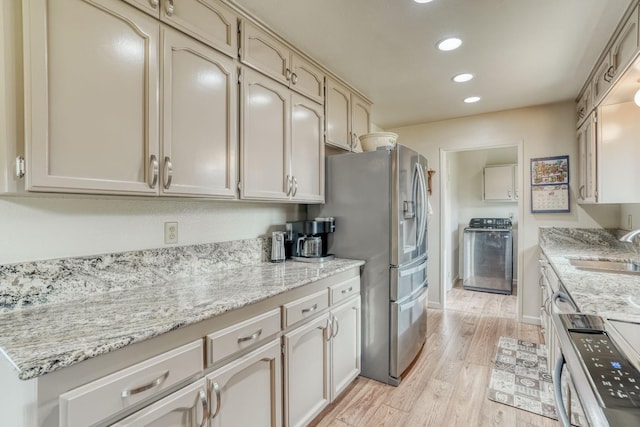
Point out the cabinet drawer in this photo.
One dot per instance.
(342, 291)
(304, 308)
(242, 335)
(102, 398)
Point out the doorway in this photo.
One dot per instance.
(462, 189)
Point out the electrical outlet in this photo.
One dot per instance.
(170, 232)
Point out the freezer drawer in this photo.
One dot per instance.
(408, 330)
(405, 281)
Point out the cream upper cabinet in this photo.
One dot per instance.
(248, 391)
(360, 120)
(622, 51)
(266, 54)
(281, 142)
(199, 126)
(618, 153)
(338, 115)
(307, 79)
(264, 138)
(307, 150)
(586, 138)
(500, 183)
(78, 52)
(209, 21)
(347, 117)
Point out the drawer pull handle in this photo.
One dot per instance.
(148, 386)
(251, 337)
(205, 408)
(314, 307)
(216, 390)
(344, 291)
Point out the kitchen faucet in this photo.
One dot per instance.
(630, 236)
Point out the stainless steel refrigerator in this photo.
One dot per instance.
(379, 202)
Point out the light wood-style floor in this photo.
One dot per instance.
(449, 382)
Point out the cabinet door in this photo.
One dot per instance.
(587, 161)
(265, 118)
(247, 391)
(625, 46)
(209, 21)
(338, 111)
(307, 79)
(91, 73)
(307, 150)
(186, 407)
(498, 183)
(602, 79)
(199, 137)
(360, 119)
(306, 376)
(618, 151)
(264, 53)
(345, 346)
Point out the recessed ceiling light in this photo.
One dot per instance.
(449, 44)
(461, 78)
(472, 99)
(423, 1)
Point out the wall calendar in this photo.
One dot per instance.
(550, 184)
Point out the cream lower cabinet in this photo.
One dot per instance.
(187, 407)
(322, 358)
(248, 391)
(281, 142)
(93, 104)
(306, 371)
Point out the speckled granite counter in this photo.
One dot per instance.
(611, 295)
(61, 312)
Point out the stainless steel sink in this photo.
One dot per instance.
(606, 266)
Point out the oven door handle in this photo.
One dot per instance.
(557, 385)
(562, 296)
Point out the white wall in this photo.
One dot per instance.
(547, 130)
(35, 228)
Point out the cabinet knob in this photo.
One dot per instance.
(154, 3)
(294, 78)
(287, 74)
(581, 192)
(295, 187)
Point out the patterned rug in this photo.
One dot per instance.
(521, 377)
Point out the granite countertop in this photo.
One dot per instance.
(77, 325)
(610, 295)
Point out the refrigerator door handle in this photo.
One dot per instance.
(416, 300)
(423, 211)
(410, 271)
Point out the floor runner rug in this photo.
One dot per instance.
(521, 377)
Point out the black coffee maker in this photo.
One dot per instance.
(308, 240)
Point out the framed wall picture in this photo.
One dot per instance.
(550, 184)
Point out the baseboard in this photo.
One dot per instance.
(531, 320)
(434, 304)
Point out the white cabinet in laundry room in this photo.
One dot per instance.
(500, 183)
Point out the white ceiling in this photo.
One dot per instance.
(522, 52)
